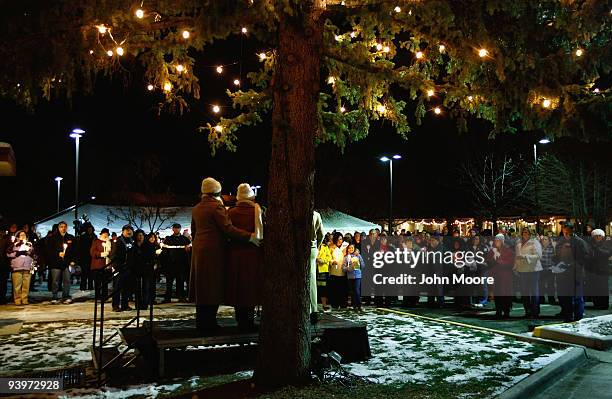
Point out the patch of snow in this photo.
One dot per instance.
(596, 327)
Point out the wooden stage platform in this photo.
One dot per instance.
(349, 339)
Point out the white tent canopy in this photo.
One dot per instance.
(114, 217)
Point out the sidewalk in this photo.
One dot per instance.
(592, 380)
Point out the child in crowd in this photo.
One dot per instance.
(353, 263)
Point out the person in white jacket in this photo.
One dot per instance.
(528, 265)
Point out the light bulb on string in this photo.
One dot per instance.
(139, 14)
(546, 103)
(342, 109)
(219, 69)
(244, 30)
(216, 109)
(236, 82)
(596, 90)
(483, 52)
(397, 9)
(470, 98)
(102, 29)
(352, 34)
(150, 87)
(109, 53)
(186, 34)
(180, 68)
(379, 46)
(262, 56)
(219, 128)
(167, 86)
(430, 93)
(437, 111)
(119, 50)
(419, 55)
(331, 80)
(386, 49)
(381, 108)
(579, 52)
(91, 51)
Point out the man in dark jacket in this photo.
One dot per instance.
(84, 244)
(176, 263)
(570, 253)
(598, 269)
(61, 256)
(122, 262)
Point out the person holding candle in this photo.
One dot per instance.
(353, 263)
(21, 254)
(62, 255)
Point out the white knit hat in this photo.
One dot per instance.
(245, 192)
(211, 186)
(500, 237)
(598, 232)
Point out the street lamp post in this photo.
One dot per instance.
(535, 180)
(76, 135)
(59, 184)
(390, 160)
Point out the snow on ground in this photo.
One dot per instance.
(405, 350)
(596, 327)
(409, 350)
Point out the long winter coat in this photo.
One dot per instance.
(98, 261)
(210, 229)
(501, 270)
(245, 261)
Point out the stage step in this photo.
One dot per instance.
(108, 353)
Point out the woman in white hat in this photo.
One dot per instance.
(210, 227)
(245, 261)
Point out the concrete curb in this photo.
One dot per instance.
(549, 332)
(535, 382)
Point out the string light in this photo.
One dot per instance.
(430, 92)
(219, 69)
(470, 98)
(546, 103)
(119, 50)
(381, 108)
(180, 68)
(139, 14)
(596, 90)
(419, 55)
(437, 111)
(483, 53)
(244, 30)
(150, 87)
(397, 9)
(167, 86)
(338, 38)
(109, 53)
(91, 51)
(579, 52)
(379, 46)
(342, 109)
(102, 29)
(331, 80)
(236, 82)
(219, 128)
(216, 109)
(186, 34)
(442, 48)
(262, 56)
(386, 49)
(352, 34)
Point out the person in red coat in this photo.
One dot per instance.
(245, 261)
(99, 252)
(501, 261)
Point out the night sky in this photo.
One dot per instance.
(124, 128)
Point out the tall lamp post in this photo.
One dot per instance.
(76, 134)
(535, 180)
(390, 160)
(58, 179)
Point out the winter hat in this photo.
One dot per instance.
(104, 230)
(598, 232)
(245, 192)
(500, 237)
(211, 186)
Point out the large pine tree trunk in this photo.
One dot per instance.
(284, 340)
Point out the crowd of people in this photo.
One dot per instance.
(224, 265)
(562, 270)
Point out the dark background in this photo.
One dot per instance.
(124, 128)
